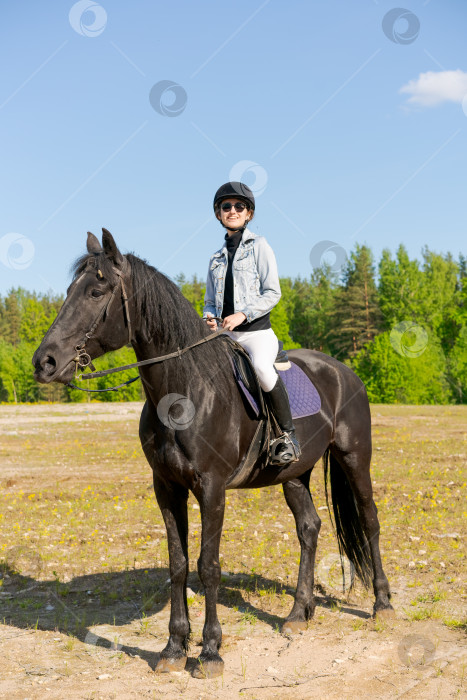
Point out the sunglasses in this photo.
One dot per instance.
(227, 206)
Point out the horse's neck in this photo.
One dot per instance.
(182, 333)
(177, 326)
(159, 345)
(171, 375)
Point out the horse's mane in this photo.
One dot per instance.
(163, 313)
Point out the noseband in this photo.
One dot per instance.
(83, 358)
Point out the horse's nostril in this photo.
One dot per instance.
(49, 365)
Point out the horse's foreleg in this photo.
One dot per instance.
(172, 500)
(308, 524)
(212, 505)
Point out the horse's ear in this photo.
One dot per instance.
(93, 244)
(110, 248)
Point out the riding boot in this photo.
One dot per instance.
(286, 448)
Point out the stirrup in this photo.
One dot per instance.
(283, 450)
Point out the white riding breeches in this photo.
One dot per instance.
(262, 347)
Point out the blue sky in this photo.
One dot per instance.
(300, 99)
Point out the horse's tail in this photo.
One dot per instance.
(350, 536)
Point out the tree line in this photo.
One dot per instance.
(400, 324)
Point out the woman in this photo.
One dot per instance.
(241, 289)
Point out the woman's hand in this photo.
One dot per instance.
(212, 324)
(231, 322)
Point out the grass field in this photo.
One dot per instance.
(84, 597)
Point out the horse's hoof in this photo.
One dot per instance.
(385, 614)
(293, 627)
(208, 669)
(169, 665)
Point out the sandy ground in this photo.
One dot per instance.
(403, 660)
(342, 654)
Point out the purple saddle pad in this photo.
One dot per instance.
(303, 395)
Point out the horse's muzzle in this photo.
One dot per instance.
(45, 369)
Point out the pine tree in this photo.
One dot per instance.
(12, 317)
(460, 312)
(400, 288)
(438, 301)
(356, 316)
(313, 304)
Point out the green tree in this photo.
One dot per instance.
(17, 382)
(280, 315)
(352, 320)
(461, 293)
(193, 291)
(400, 288)
(312, 313)
(118, 358)
(12, 316)
(438, 305)
(34, 321)
(356, 315)
(8, 392)
(458, 366)
(391, 376)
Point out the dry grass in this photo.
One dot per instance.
(83, 542)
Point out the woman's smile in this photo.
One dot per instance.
(231, 217)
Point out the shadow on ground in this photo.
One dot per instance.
(120, 598)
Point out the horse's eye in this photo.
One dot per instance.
(96, 293)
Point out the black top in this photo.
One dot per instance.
(259, 324)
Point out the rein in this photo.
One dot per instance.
(83, 359)
(178, 353)
(98, 391)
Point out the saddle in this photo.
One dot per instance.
(304, 401)
(247, 378)
(248, 383)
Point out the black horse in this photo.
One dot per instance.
(114, 298)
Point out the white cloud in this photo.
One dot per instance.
(434, 88)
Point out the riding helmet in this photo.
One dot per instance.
(237, 190)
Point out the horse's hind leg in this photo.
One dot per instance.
(308, 523)
(355, 469)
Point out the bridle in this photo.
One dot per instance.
(82, 358)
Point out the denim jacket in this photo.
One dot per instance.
(255, 277)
